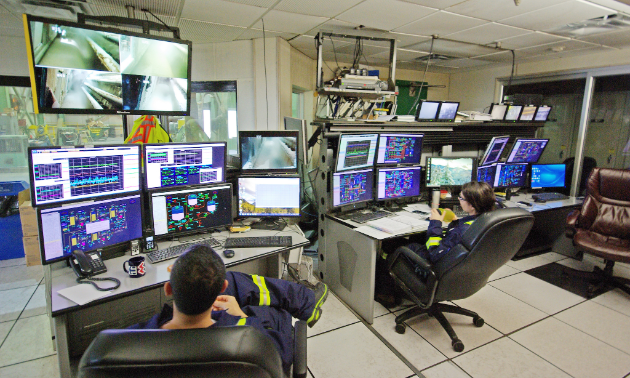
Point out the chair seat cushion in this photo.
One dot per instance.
(606, 247)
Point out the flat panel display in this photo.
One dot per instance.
(486, 173)
(60, 174)
(299, 125)
(548, 176)
(356, 151)
(352, 187)
(510, 175)
(269, 151)
(497, 111)
(494, 150)
(513, 112)
(528, 113)
(449, 171)
(398, 182)
(427, 111)
(399, 149)
(542, 113)
(269, 196)
(527, 150)
(448, 111)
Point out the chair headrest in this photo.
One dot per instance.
(613, 184)
(488, 220)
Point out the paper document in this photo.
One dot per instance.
(415, 223)
(419, 207)
(82, 294)
(373, 232)
(388, 225)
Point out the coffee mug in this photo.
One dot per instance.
(136, 267)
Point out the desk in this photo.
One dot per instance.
(136, 300)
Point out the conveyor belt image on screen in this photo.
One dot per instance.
(154, 93)
(144, 56)
(79, 89)
(192, 211)
(269, 153)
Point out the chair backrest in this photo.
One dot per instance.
(209, 352)
(606, 208)
(587, 166)
(491, 241)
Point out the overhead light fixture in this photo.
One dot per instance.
(605, 24)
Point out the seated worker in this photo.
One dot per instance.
(198, 277)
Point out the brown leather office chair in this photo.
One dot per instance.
(602, 227)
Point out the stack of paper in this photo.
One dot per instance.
(398, 224)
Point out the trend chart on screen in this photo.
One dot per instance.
(99, 174)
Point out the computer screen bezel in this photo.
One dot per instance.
(531, 168)
(530, 139)
(145, 176)
(437, 117)
(502, 116)
(269, 134)
(82, 203)
(523, 110)
(337, 169)
(496, 175)
(376, 181)
(192, 189)
(507, 111)
(402, 134)
(437, 111)
(485, 155)
(351, 203)
(238, 198)
(472, 176)
(547, 117)
(31, 172)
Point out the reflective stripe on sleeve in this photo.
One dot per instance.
(265, 299)
(434, 240)
(241, 321)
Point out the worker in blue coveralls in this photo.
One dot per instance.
(205, 295)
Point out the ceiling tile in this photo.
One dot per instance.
(256, 3)
(289, 22)
(12, 32)
(503, 56)
(487, 33)
(453, 48)
(100, 10)
(405, 40)
(378, 14)
(620, 39)
(323, 8)
(529, 40)
(401, 55)
(553, 48)
(166, 7)
(335, 26)
(438, 4)
(229, 13)
(464, 63)
(557, 15)
(494, 10)
(567, 54)
(12, 22)
(206, 32)
(258, 33)
(440, 23)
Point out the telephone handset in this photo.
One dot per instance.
(88, 264)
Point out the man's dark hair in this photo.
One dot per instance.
(479, 195)
(197, 279)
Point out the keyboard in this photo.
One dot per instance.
(364, 217)
(175, 251)
(549, 196)
(259, 241)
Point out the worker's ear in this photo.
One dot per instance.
(168, 289)
(225, 285)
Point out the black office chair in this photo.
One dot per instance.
(226, 352)
(491, 241)
(587, 167)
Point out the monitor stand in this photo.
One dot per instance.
(271, 224)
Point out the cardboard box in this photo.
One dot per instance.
(31, 250)
(28, 216)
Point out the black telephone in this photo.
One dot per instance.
(87, 264)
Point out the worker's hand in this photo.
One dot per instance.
(229, 304)
(435, 215)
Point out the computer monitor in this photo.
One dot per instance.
(183, 164)
(269, 151)
(427, 111)
(542, 113)
(398, 182)
(448, 111)
(513, 112)
(268, 196)
(486, 173)
(353, 187)
(527, 150)
(399, 149)
(191, 210)
(510, 175)
(301, 126)
(497, 111)
(528, 113)
(548, 176)
(449, 171)
(88, 226)
(356, 151)
(66, 174)
(494, 150)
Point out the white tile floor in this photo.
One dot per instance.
(533, 329)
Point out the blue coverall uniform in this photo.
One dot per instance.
(439, 243)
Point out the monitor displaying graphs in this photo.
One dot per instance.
(70, 174)
(449, 171)
(356, 151)
(398, 182)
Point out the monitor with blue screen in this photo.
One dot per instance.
(527, 150)
(494, 150)
(548, 176)
(427, 111)
(399, 149)
(486, 173)
(510, 175)
(398, 182)
(513, 112)
(542, 113)
(356, 151)
(448, 111)
(449, 171)
(353, 187)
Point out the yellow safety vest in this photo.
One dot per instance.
(147, 129)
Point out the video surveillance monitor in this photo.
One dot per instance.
(66, 174)
(486, 173)
(449, 171)
(398, 182)
(513, 112)
(528, 113)
(448, 111)
(191, 210)
(494, 150)
(399, 149)
(497, 111)
(268, 196)
(356, 151)
(427, 111)
(510, 175)
(88, 226)
(183, 164)
(542, 113)
(548, 176)
(527, 150)
(269, 151)
(353, 187)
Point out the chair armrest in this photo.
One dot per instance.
(299, 349)
(572, 223)
(411, 255)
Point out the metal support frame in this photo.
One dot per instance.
(145, 25)
(589, 88)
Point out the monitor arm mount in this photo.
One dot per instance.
(145, 25)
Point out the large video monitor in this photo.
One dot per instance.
(398, 182)
(494, 150)
(399, 149)
(268, 196)
(65, 174)
(548, 176)
(191, 210)
(486, 173)
(88, 69)
(353, 187)
(269, 151)
(448, 111)
(528, 113)
(542, 113)
(356, 151)
(449, 171)
(513, 112)
(510, 175)
(183, 164)
(427, 111)
(527, 150)
(497, 111)
(88, 226)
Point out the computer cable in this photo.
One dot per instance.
(90, 280)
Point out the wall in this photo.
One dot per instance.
(14, 60)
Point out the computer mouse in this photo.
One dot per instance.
(540, 200)
(228, 253)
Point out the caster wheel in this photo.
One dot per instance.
(478, 321)
(458, 346)
(401, 328)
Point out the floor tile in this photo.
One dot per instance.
(529, 263)
(353, 351)
(20, 276)
(13, 262)
(500, 310)
(538, 293)
(572, 350)
(37, 304)
(616, 299)
(379, 309)
(554, 257)
(335, 315)
(503, 271)
(13, 301)
(46, 367)
(414, 348)
(446, 369)
(600, 322)
(5, 327)
(584, 265)
(505, 358)
(30, 338)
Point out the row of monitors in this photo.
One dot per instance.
(66, 174)
(113, 220)
(514, 175)
(524, 150)
(440, 111)
(362, 150)
(523, 113)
